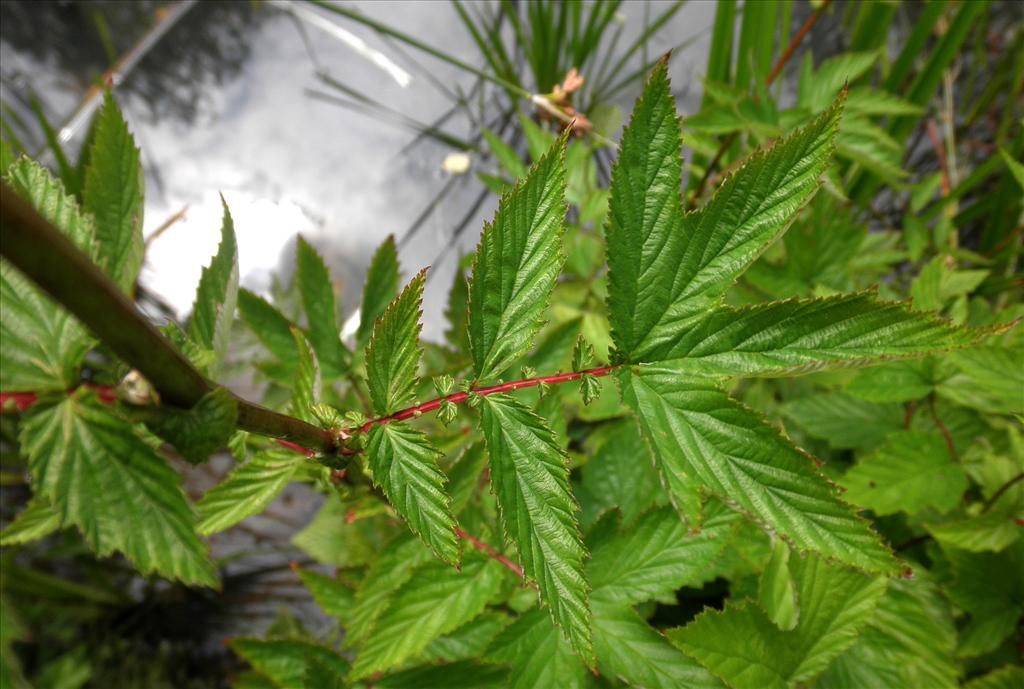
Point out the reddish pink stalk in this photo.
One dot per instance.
(489, 551)
(460, 397)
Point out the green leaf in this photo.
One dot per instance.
(318, 300)
(470, 640)
(393, 354)
(269, 325)
(845, 421)
(939, 282)
(989, 587)
(460, 675)
(991, 379)
(306, 390)
(620, 476)
(800, 335)
(385, 577)
(200, 431)
(629, 648)
(323, 674)
(38, 520)
(696, 430)
(43, 345)
(100, 476)
(214, 310)
(286, 661)
(817, 91)
(656, 556)
(864, 100)
(380, 289)
(331, 594)
(334, 539)
(776, 592)
(538, 654)
(114, 195)
(437, 600)
(835, 605)
(515, 267)
(666, 267)
(404, 464)
(994, 530)
(911, 472)
(909, 642)
(530, 476)
(247, 490)
(900, 381)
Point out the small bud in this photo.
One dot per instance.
(447, 412)
(354, 419)
(444, 385)
(327, 416)
(529, 372)
(582, 354)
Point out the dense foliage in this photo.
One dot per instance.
(692, 428)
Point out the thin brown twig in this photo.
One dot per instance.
(990, 503)
(166, 225)
(946, 435)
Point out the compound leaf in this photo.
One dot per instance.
(394, 351)
(515, 267)
(666, 267)
(100, 476)
(404, 464)
(114, 195)
(247, 490)
(530, 475)
(695, 429)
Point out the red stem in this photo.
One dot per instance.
(459, 397)
(489, 552)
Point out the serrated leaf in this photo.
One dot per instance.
(318, 300)
(865, 100)
(404, 465)
(776, 592)
(393, 354)
(100, 476)
(214, 309)
(990, 587)
(994, 530)
(900, 381)
(845, 421)
(380, 289)
(247, 490)
(697, 430)
(470, 640)
(911, 472)
(285, 662)
(530, 476)
(461, 675)
(269, 325)
(621, 475)
(114, 195)
(835, 605)
(436, 600)
(331, 594)
(388, 573)
(801, 335)
(515, 267)
(43, 345)
(38, 520)
(817, 91)
(538, 654)
(909, 642)
(306, 390)
(656, 556)
(665, 267)
(200, 431)
(629, 648)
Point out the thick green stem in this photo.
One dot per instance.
(46, 256)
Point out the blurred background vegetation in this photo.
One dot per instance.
(351, 121)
